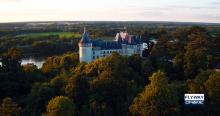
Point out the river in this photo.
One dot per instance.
(36, 61)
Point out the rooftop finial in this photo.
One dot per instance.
(84, 29)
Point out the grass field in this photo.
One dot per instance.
(61, 34)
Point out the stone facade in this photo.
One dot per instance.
(123, 43)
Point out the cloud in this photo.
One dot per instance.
(215, 3)
(182, 13)
(180, 10)
(195, 7)
(207, 16)
(9, 1)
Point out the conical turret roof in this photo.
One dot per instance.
(85, 37)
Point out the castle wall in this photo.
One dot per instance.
(89, 52)
(85, 53)
(127, 50)
(97, 53)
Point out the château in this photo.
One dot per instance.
(123, 43)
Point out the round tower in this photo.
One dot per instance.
(85, 48)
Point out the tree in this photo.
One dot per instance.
(9, 108)
(160, 56)
(33, 74)
(12, 78)
(195, 57)
(56, 64)
(69, 61)
(59, 83)
(60, 106)
(110, 97)
(177, 67)
(11, 60)
(135, 62)
(40, 94)
(113, 85)
(51, 66)
(147, 68)
(181, 37)
(77, 88)
(197, 85)
(213, 91)
(206, 82)
(157, 99)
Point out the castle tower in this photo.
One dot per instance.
(85, 48)
(125, 29)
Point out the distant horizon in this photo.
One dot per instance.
(109, 21)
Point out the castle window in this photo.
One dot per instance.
(104, 52)
(93, 57)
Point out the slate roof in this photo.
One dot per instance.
(128, 39)
(106, 44)
(85, 38)
(218, 66)
(120, 38)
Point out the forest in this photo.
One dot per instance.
(185, 59)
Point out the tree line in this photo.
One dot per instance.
(181, 62)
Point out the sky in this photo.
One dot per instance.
(110, 10)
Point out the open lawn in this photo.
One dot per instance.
(61, 34)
